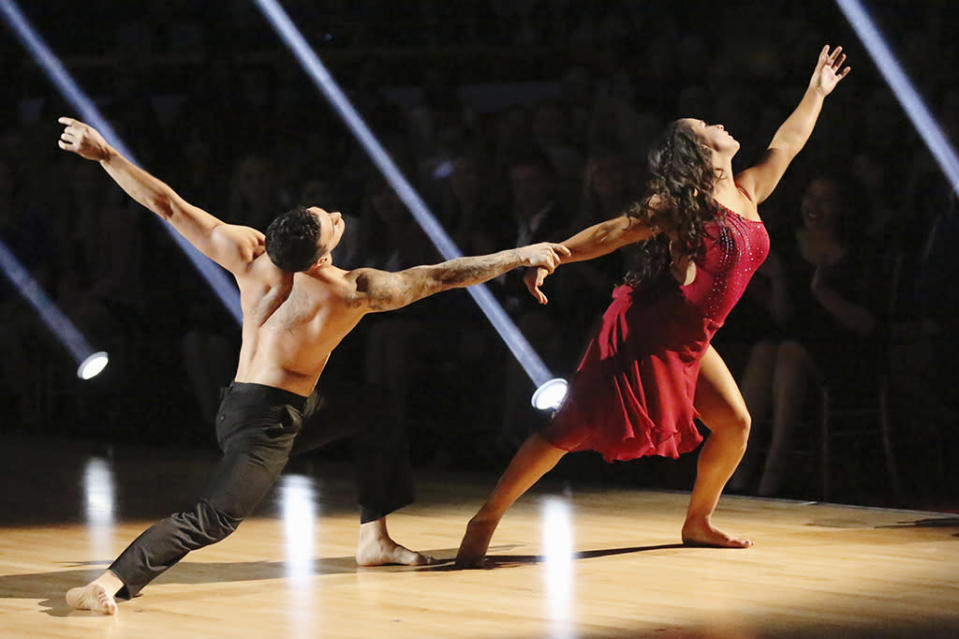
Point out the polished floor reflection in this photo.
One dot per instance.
(582, 562)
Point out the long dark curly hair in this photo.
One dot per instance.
(681, 183)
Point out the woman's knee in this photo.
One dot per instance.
(742, 422)
(738, 422)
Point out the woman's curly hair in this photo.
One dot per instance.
(682, 187)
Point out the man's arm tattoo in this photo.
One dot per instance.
(465, 271)
(395, 290)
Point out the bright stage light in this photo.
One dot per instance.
(550, 394)
(69, 89)
(90, 363)
(915, 108)
(93, 365)
(321, 77)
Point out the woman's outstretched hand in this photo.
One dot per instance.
(829, 70)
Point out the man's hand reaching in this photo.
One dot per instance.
(543, 260)
(83, 139)
(545, 255)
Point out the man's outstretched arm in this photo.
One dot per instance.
(232, 247)
(384, 291)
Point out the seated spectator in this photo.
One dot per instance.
(835, 292)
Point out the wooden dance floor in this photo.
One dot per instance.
(592, 561)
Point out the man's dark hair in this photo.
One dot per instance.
(291, 240)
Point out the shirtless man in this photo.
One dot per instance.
(297, 306)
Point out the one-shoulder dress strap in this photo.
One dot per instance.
(744, 192)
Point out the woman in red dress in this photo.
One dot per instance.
(651, 370)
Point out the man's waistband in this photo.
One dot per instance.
(265, 394)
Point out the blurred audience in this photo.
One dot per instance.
(830, 292)
(518, 122)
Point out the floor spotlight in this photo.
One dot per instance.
(91, 363)
(550, 394)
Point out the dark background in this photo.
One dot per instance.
(209, 99)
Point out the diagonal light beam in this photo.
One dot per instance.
(915, 108)
(321, 77)
(71, 91)
(56, 321)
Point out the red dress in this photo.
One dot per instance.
(632, 394)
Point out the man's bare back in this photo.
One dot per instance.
(299, 319)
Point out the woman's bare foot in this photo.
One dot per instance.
(93, 597)
(703, 533)
(472, 552)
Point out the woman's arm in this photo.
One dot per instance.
(605, 237)
(760, 180)
(592, 242)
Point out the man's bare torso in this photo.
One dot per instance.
(291, 323)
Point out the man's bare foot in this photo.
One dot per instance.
(472, 552)
(382, 552)
(376, 548)
(93, 597)
(703, 533)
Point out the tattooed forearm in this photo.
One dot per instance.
(387, 291)
(466, 271)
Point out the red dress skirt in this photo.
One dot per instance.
(633, 392)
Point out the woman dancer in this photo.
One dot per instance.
(651, 368)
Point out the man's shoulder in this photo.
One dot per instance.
(262, 271)
(331, 285)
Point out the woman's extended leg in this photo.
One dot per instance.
(533, 460)
(723, 410)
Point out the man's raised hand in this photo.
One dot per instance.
(82, 139)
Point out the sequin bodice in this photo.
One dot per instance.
(734, 248)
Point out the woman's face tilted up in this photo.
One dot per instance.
(713, 136)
